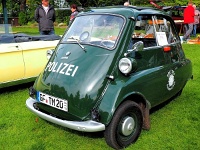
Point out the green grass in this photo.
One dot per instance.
(34, 30)
(175, 126)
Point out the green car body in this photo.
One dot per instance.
(94, 83)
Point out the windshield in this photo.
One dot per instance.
(98, 30)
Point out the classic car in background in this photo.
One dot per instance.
(176, 12)
(22, 57)
(109, 69)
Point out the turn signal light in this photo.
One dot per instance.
(167, 49)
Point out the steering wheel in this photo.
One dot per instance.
(84, 37)
(107, 43)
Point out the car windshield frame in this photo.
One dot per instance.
(102, 30)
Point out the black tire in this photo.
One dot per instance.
(117, 134)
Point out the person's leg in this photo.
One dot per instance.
(185, 28)
(42, 33)
(187, 34)
(194, 30)
(51, 32)
(192, 33)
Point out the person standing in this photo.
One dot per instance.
(188, 20)
(126, 3)
(45, 17)
(74, 13)
(196, 21)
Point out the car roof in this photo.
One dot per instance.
(125, 10)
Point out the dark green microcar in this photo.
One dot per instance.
(112, 65)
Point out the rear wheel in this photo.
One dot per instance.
(125, 126)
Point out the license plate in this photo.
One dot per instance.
(52, 101)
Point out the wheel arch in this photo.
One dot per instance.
(144, 106)
(136, 97)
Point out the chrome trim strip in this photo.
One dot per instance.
(85, 126)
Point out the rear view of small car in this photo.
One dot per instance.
(109, 69)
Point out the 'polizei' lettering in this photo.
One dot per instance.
(62, 68)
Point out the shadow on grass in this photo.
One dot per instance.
(93, 135)
(16, 88)
(99, 135)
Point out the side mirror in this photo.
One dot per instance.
(49, 53)
(138, 46)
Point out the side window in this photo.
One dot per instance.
(153, 31)
(163, 30)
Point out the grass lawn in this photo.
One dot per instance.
(175, 126)
(35, 31)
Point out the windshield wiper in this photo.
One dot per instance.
(78, 43)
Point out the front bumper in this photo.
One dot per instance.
(85, 126)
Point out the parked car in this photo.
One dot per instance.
(111, 67)
(22, 57)
(176, 13)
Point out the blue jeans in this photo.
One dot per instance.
(47, 32)
(194, 32)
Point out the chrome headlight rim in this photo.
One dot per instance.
(125, 65)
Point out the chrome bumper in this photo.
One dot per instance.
(85, 126)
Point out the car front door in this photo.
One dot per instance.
(155, 61)
(12, 63)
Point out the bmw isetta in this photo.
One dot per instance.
(112, 65)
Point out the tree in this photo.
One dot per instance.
(24, 9)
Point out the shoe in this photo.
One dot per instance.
(184, 40)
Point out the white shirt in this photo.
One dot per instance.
(46, 8)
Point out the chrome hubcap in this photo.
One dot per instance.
(128, 126)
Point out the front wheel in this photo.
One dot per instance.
(125, 126)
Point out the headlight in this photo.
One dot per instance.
(125, 65)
